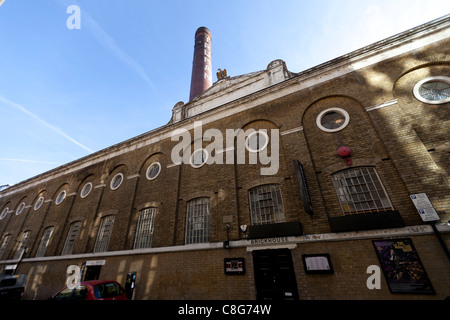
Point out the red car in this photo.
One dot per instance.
(92, 290)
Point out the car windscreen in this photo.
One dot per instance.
(73, 293)
(107, 290)
(8, 282)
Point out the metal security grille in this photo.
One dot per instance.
(44, 241)
(104, 234)
(360, 190)
(197, 221)
(22, 245)
(266, 205)
(71, 237)
(4, 244)
(144, 230)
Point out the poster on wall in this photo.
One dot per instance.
(402, 267)
(234, 266)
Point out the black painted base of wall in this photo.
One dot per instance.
(367, 221)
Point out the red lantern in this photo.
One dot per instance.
(345, 153)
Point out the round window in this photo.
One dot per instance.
(257, 141)
(20, 208)
(199, 158)
(333, 119)
(153, 170)
(116, 181)
(61, 196)
(433, 90)
(38, 203)
(4, 213)
(86, 190)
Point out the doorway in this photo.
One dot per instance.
(92, 273)
(274, 275)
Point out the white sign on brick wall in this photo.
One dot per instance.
(424, 207)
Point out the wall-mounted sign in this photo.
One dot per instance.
(234, 266)
(317, 263)
(301, 180)
(424, 207)
(402, 267)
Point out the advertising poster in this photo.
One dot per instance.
(402, 267)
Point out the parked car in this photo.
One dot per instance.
(12, 286)
(92, 290)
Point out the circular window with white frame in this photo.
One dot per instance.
(153, 171)
(61, 196)
(257, 141)
(198, 158)
(433, 90)
(38, 203)
(333, 119)
(87, 188)
(4, 213)
(116, 181)
(20, 208)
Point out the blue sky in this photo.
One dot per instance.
(65, 93)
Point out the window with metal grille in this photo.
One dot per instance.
(104, 234)
(266, 205)
(45, 240)
(360, 190)
(4, 244)
(197, 221)
(22, 245)
(71, 238)
(144, 230)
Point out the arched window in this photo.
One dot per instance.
(144, 230)
(22, 247)
(104, 234)
(71, 238)
(4, 245)
(197, 221)
(45, 240)
(266, 205)
(360, 190)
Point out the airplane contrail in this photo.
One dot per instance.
(43, 122)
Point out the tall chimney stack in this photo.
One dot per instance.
(201, 68)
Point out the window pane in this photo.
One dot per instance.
(4, 244)
(197, 221)
(71, 237)
(22, 244)
(360, 190)
(44, 241)
(104, 233)
(266, 205)
(144, 230)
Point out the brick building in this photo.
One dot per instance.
(271, 184)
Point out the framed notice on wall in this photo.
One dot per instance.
(317, 263)
(402, 267)
(234, 266)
